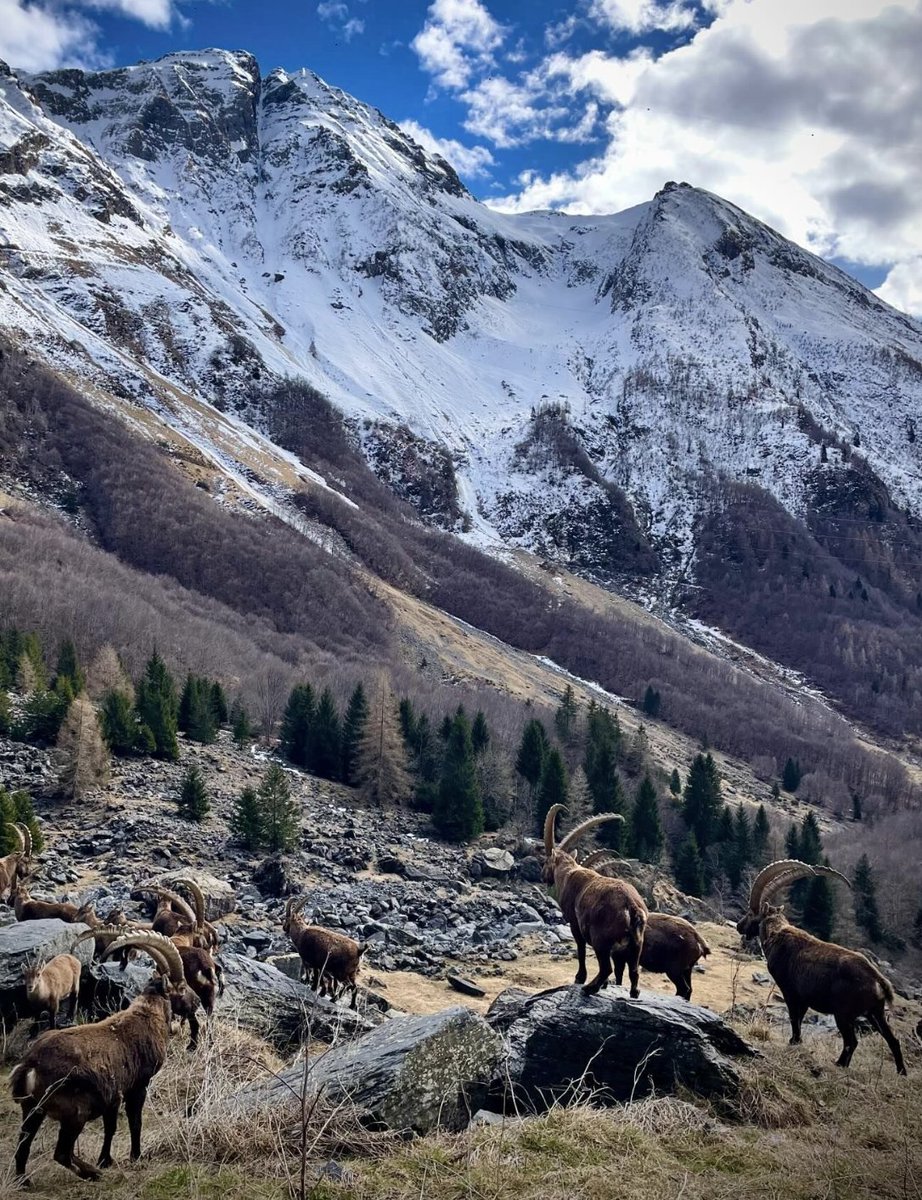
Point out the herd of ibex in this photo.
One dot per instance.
(77, 1074)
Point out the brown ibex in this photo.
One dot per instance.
(328, 960)
(814, 974)
(79, 1074)
(18, 864)
(672, 946)
(48, 986)
(608, 914)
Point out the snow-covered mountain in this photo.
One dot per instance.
(190, 228)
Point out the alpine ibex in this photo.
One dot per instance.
(672, 946)
(814, 974)
(608, 914)
(17, 865)
(49, 986)
(328, 959)
(79, 1074)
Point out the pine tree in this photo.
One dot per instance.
(776, 790)
(296, 724)
(81, 751)
(8, 840)
(675, 783)
(157, 706)
(383, 768)
(324, 747)
(246, 821)
(480, 733)
(792, 842)
(819, 908)
(529, 761)
(192, 802)
(119, 723)
(603, 745)
(565, 718)
(689, 870)
(25, 814)
(738, 850)
(867, 914)
(810, 842)
(241, 728)
(219, 709)
(6, 712)
(11, 650)
(552, 787)
(703, 804)
(651, 701)
(407, 718)
(791, 776)
(761, 834)
(646, 826)
(353, 727)
(857, 811)
(69, 668)
(196, 716)
(279, 811)
(458, 811)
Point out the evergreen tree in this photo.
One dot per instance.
(32, 652)
(857, 812)
(792, 842)
(552, 787)
(776, 790)
(11, 651)
(738, 849)
(246, 822)
(675, 783)
(241, 728)
(353, 728)
(69, 668)
(791, 776)
(25, 814)
(9, 843)
(324, 748)
(651, 701)
(480, 733)
(6, 712)
(810, 843)
(689, 870)
(42, 715)
(296, 724)
(279, 811)
(219, 709)
(819, 908)
(565, 718)
(703, 804)
(82, 754)
(458, 811)
(867, 914)
(193, 803)
(646, 826)
(157, 706)
(761, 834)
(382, 765)
(407, 717)
(445, 728)
(529, 761)
(196, 714)
(119, 723)
(604, 784)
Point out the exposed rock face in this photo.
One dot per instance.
(24, 943)
(219, 895)
(561, 1044)
(412, 1074)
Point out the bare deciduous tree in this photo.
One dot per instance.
(383, 770)
(82, 753)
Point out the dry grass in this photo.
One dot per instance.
(801, 1130)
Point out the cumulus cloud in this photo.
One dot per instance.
(39, 36)
(643, 16)
(335, 14)
(472, 161)
(808, 115)
(458, 38)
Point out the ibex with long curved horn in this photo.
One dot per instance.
(608, 914)
(814, 974)
(18, 864)
(77, 1075)
(329, 960)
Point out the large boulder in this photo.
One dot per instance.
(493, 863)
(412, 1074)
(562, 1043)
(26, 942)
(219, 895)
(283, 1010)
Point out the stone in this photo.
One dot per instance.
(531, 869)
(219, 895)
(562, 1044)
(283, 1010)
(465, 986)
(411, 1074)
(272, 877)
(495, 862)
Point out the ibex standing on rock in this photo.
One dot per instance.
(814, 974)
(328, 959)
(608, 914)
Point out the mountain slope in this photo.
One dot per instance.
(591, 388)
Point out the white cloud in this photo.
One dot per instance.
(472, 161)
(807, 113)
(458, 38)
(39, 36)
(643, 16)
(335, 14)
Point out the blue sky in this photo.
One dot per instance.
(804, 112)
